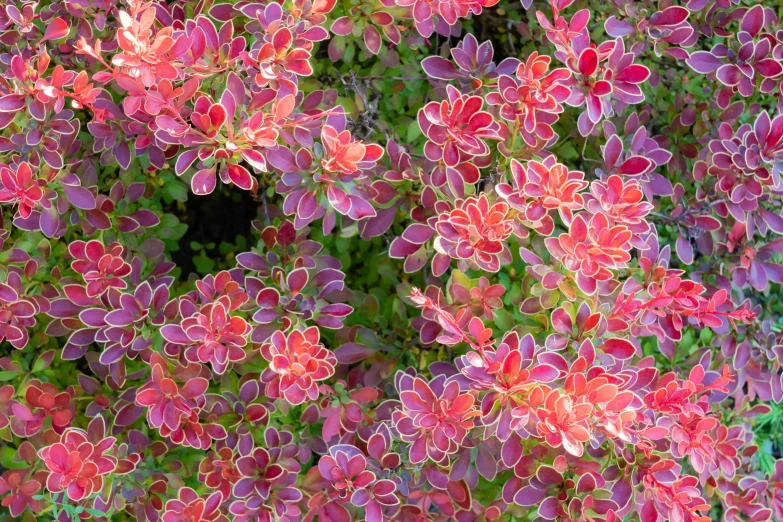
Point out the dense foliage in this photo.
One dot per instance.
(391, 260)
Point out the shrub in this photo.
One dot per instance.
(391, 260)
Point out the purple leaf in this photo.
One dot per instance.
(439, 67)
(128, 415)
(351, 353)
(617, 28)
(753, 21)
(729, 74)
(530, 496)
(79, 197)
(283, 159)
(12, 102)
(704, 62)
(121, 318)
(684, 249)
(185, 160)
(175, 334)
(544, 373)
(769, 68)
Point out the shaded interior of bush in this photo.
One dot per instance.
(220, 216)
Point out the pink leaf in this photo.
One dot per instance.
(372, 39)
(203, 182)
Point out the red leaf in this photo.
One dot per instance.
(56, 29)
(619, 348)
(297, 280)
(634, 166)
(240, 176)
(672, 15)
(588, 62)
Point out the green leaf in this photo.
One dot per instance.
(8, 376)
(413, 131)
(567, 151)
(503, 320)
(7, 454)
(343, 244)
(399, 309)
(350, 51)
(204, 264)
(178, 191)
(386, 270)
(349, 105)
(378, 69)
